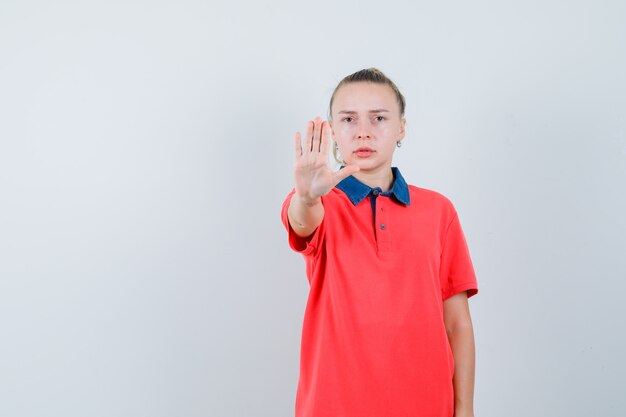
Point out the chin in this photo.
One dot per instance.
(365, 164)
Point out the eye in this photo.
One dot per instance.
(347, 119)
(380, 118)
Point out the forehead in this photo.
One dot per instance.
(365, 96)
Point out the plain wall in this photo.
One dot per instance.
(146, 148)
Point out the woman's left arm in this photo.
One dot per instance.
(461, 336)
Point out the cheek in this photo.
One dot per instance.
(342, 133)
(343, 129)
(389, 132)
(387, 128)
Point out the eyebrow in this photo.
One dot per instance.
(371, 111)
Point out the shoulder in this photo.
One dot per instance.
(431, 198)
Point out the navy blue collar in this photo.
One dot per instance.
(357, 191)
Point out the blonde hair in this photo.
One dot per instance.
(371, 75)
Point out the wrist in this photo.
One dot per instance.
(308, 201)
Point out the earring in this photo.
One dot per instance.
(399, 143)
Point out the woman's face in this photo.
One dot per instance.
(366, 124)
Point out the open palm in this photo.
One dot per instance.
(313, 176)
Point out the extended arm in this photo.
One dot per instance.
(461, 336)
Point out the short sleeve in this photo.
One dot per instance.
(456, 270)
(307, 246)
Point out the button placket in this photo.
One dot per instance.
(382, 229)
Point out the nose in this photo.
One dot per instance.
(363, 131)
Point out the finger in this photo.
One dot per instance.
(316, 135)
(307, 138)
(326, 132)
(344, 173)
(298, 143)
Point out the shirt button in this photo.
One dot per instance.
(382, 226)
(375, 191)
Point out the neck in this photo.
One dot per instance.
(382, 178)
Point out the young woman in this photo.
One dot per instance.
(387, 328)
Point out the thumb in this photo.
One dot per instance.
(344, 173)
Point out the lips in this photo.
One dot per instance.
(364, 152)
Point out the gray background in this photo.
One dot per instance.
(146, 148)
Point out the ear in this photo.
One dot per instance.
(402, 129)
(332, 131)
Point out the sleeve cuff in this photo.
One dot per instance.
(470, 287)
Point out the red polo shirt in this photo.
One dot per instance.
(379, 267)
